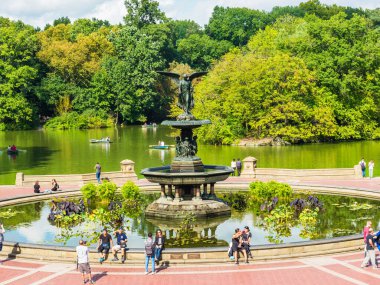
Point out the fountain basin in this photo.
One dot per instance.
(164, 175)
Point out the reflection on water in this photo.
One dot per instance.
(54, 152)
(340, 216)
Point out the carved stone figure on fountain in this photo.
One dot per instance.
(185, 90)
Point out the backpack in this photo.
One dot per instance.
(149, 246)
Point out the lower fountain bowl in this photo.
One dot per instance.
(163, 208)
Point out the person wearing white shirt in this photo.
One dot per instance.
(371, 165)
(83, 264)
(233, 166)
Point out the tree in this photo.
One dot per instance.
(130, 75)
(200, 51)
(19, 70)
(62, 20)
(236, 25)
(77, 60)
(258, 95)
(143, 12)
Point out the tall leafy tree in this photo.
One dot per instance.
(143, 12)
(19, 70)
(236, 25)
(200, 51)
(130, 75)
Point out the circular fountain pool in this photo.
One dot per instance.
(340, 216)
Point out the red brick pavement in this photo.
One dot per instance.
(338, 270)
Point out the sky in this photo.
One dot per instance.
(41, 12)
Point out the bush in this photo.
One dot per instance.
(107, 190)
(130, 191)
(88, 120)
(89, 191)
(266, 191)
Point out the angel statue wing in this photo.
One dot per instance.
(197, 74)
(173, 75)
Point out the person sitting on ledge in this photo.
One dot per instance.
(54, 185)
(37, 187)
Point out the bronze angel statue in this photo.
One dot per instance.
(185, 97)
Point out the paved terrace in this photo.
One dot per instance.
(330, 269)
(336, 269)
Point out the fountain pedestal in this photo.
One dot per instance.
(187, 174)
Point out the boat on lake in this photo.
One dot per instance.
(12, 151)
(156, 146)
(154, 125)
(104, 140)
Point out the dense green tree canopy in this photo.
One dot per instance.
(236, 25)
(302, 73)
(300, 79)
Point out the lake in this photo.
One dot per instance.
(65, 152)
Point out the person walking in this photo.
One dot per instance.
(121, 240)
(83, 262)
(98, 170)
(104, 245)
(238, 166)
(371, 165)
(233, 166)
(149, 254)
(159, 243)
(363, 166)
(2, 232)
(370, 249)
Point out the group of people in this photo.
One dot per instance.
(54, 187)
(153, 249)
(240, 244)
(371, 240)
(236, 165)
(363, 167)
(12, 148)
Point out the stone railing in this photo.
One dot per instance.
(250, 171)
(119, 177)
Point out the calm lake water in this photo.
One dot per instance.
(339, 216)
(64, 152)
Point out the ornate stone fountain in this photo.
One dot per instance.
(181, 182)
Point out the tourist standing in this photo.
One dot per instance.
(149, 254)
(246, 237)
(98, 170)
(370, 249)
(371, 165)
(82, 261)
(159, 244)
(363, 166)
(237, 246)
(238, 166)
(104, 245)
(2, 231)
(233, 166)
(365, 234)
(121, 240)
(37, 187)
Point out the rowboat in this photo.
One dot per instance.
(159, 146)
(100, 141)
(10, 151)
(149, 126)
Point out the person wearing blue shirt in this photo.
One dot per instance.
(121, 244)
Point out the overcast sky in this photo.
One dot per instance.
(41, 12)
